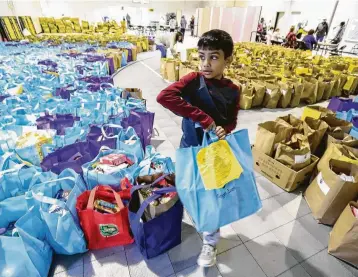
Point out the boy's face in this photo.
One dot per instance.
(213, 63)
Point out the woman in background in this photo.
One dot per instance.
(291, 38)
(310, 40)
(183, 24)
(192, 24)
(269, 36)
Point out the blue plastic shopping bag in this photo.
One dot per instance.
(63, 231)
(94, 177)
(29, 254)
(212, 209)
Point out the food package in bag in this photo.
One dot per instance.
(335, 123)
(246, 96)
(296, 94)
(272, 96)
(286, 94)
(293, 121)
(259, 93)
(314, 129)
(341, 137)
(269, 134)
(295, 153)
(327, 93)
(343, 241)
(338, 152)
(310, 87)
(334, 186)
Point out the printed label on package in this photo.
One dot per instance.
(322, 184)
(299, 159)
(108, 230)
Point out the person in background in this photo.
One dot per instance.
(172, 24)
(291, 38)
(261, 30)
(183, 24)
(128, 19)
(269, 36)
(276, 35)
(175, 46)
(301, 31)
(321, 31)
(168, 41)
(192, 25)
(339, 35)
(185, 98)
(310, 40)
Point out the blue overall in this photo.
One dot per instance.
(192, 131)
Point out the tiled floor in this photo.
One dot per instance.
(282, 239)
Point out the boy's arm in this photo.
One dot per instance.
(171, 98)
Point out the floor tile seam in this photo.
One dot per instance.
(125, 255)
(255, 260)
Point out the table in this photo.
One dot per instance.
(325, 46)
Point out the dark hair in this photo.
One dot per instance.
(217, 40)
(311, 32)
(342, 23)
(292, 28)
(177, 35)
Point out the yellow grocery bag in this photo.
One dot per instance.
(218, 165)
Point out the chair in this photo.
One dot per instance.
(337, 51)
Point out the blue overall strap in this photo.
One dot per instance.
(206, 97)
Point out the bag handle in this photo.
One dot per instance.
(156, 194)
(90, 203)
(135, 188)
(110, 125)
(209, 137)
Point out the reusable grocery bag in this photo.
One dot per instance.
(29, 254)
(11, 209)
(142, 122)
(103, 229)
(339, 104)
(71, 156)
(129, 142)
(209, 208)
(343, 241)
(333, 188)
(58, 122)
(159, 234)
(94, 178)
(63, 231)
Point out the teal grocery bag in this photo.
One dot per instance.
(11, 209)
(63, 231)
(154, 162)
(29, 254)
(213, 208)
(129, 141)
(93, 177)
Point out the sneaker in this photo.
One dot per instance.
(207, 257)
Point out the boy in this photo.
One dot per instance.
(206, 101)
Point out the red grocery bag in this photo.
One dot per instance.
(103, 229)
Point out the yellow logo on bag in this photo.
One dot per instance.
(218, 165)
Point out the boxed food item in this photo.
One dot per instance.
(278, 173)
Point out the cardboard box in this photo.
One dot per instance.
(284, 177)
(343, 242)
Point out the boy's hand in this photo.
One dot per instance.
(220, 132)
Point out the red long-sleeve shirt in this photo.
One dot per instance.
(223, 93)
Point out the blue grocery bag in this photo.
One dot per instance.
(94, 178)
(63, 231)
(129, 141)
(154, 162)
(11, 209)
(212, 209)
(29, 254)
(159, 234)
(354, 132)
(16, 181)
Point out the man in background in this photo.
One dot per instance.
(339, 35)
(192, 25)
(183, 24)
(172, 24)
(321, 31)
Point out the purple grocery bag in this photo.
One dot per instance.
(97, 79)
(94, 87)
(65, 92)
(110, 61)
(94, 58)
(97, 138)
(58, 122)
(161, 233)
(355, 121)
(71, 156)
(342, 105)
(142, 122)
